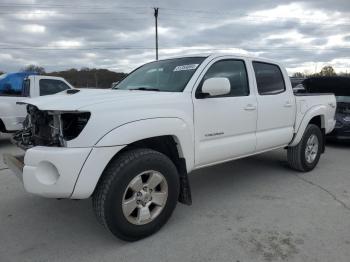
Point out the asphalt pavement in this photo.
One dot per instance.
(253, 209)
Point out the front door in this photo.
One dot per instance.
(225, 125)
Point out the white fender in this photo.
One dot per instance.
(116, 139)
(320, 110)
(147, 128)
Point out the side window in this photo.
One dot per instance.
(51, 86)
(269, 78)
(235, 71)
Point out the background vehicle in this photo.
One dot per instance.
(131, 148)
(340, 87)
(17, 86)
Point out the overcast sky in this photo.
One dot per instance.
(119, 35)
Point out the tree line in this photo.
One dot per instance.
(103, 78)
(90, 77)
(325, 71)
(85, 77)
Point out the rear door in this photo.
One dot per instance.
(225, 125)
(276, 106)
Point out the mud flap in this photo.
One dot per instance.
(185, 188)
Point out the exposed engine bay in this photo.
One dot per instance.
(50, 128)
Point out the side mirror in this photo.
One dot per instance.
(216, 86)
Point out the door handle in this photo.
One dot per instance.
(288, 104)
(250, 107)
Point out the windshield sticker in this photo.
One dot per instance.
(185, 67)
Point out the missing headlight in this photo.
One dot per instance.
(73, 124)
(50, 128)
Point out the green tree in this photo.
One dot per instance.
(327, 71)
(33, 68)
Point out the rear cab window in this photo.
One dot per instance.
(51, 86)
(269, 78)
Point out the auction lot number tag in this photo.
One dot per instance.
(185, 67)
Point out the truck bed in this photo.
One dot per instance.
(306, 101)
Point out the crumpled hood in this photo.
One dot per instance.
(64, 101)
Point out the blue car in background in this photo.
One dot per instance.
(12, 84)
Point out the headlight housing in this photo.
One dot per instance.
(50, 128)
(73, 124)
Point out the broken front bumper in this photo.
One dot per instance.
(49, 171)
(57, 172)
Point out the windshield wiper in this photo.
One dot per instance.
(145, 89)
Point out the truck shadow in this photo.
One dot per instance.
(240, 176)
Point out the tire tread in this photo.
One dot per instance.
(295, 153)
(109, 175)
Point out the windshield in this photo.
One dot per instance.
(170, 75)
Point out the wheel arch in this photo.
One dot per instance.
(169, 146)
(317, 116)
(173, 138)
(174, 130)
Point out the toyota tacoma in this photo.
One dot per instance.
(132, 147)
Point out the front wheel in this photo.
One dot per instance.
(137, 194)
(305, 156)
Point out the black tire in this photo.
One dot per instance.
(109, 194)
(296, 155)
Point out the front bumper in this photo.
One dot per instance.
(49, 171)
(57, 172)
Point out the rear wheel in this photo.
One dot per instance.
(137, 194)
(305, 156)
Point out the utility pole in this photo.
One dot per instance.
(156, 24)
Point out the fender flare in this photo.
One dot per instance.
(116, 139)
(131, 132)
(319, 110)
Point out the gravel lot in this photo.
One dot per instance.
(253, 209)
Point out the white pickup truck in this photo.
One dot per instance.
(13, 88)
(130, 148)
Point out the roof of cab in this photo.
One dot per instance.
(236, 55)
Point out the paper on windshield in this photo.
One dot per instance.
(185, 67)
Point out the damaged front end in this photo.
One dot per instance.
(50, 128)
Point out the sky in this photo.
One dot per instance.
(119, 35)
